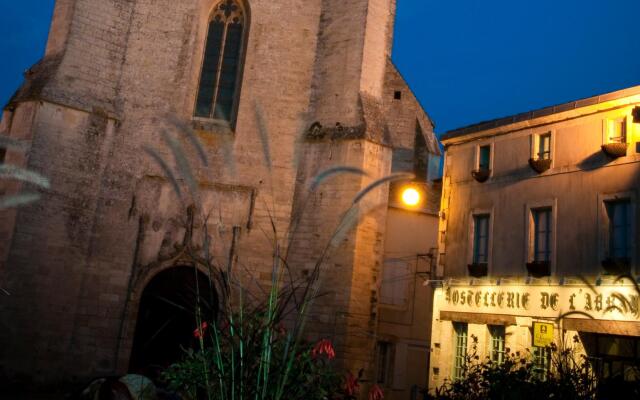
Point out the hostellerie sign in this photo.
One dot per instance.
(616, 302)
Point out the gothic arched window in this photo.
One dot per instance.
(220, 77)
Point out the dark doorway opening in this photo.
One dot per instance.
(167, 318)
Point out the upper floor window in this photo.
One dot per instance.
(484, 158)
(620, 241)
(542, 234)
(481, 239)
(617, 130)
(460, 355)
(219, 86)
(482, 172)
(544, 146)
(497, 350)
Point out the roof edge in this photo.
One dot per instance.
(541, 112)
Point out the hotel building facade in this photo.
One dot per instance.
(539, 219)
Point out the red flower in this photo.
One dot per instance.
(376, 393)
(351, 385)
(199, 332)
(323, 347)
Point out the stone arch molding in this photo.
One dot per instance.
(170, 236)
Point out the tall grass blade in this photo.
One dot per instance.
(191, 135)
(182, 163)
(165, 168)
(331, 172)
(622, 278)
(391, 178)
(264, 135)
(13, 172)
(7, 142)
(18, 200)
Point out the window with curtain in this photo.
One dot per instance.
(484, 157)
(542, 222)
(481, 239)
(620, 240)
(220, 77)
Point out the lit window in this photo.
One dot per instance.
(497, 334)
(542, 234)
(481, 239)
(383, 363)
(617, 130)
(541, 362)
(544, 146)
(484, 158)
(620, 240)
(395, 283)
(460, 349)
(219, 81)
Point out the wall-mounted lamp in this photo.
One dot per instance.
(410, 196)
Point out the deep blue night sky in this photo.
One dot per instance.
(467, 60)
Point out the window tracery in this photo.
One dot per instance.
(222, 64)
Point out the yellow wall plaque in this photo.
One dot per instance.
(542, 334)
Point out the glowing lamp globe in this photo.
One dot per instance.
(410, 197)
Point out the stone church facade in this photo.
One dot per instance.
(312, 76)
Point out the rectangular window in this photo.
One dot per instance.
(383, 361)
(542, 234)
(617, 130)
(481, 239)
(620, 241)
(484, 157)
(544, 146)
(497, 352)
(541, 362)
(460, 349)
(617, 356)
(3, 155)
(395, 283)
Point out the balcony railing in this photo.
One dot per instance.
(540, 164)
(481, 174)
(478, 270)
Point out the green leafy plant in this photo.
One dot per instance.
(571, 377)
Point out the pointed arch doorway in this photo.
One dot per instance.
(167, 318)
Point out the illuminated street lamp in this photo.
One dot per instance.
(410, 197)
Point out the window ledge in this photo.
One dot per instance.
(211, 125)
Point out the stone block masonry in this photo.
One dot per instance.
(116, 74)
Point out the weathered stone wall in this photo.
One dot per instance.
(118, 73)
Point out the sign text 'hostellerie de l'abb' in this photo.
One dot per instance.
(612, 302)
